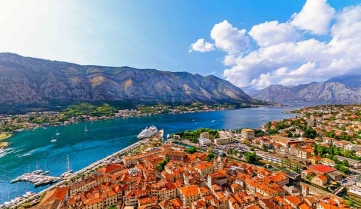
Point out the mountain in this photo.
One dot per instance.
(346, 89)
(38, 83)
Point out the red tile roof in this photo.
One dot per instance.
(321, 168)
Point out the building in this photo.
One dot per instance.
(132, 160)
(205, 168)
(204, 135)
(204, 141)
(299, 152)
(189, 194)
(355, 190)
(175, 155)
(216, 178)
(328, 162)
(315, 159)
(55, 198)
(354, 163)
(221, 141)
(320, 180)
(247, 133)
(321, 169)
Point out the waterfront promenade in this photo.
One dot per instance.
(90, 167)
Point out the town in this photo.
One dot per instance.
(311, 161)
(86, 112)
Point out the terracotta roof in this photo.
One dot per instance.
(189, 190)
(58, 194)
(321, 168)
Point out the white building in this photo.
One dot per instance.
(204, 141)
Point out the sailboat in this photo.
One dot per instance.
(68, 172)
(53, 140)
(45, 171)
(85, 129)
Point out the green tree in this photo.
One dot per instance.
(250, 157)
(210, 156)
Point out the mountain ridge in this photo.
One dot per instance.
(40, 83)
(341, 89)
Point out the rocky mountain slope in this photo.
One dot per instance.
(31, 82)
(345, 89)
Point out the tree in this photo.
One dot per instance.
(161, 165)
(309, 132)
(264, 147)
(315, 151)
(190, 150)
(250, 157)
(210, 156)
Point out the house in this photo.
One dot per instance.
(314, 159)
(216, 178)
(321, 169)
(205, 168)
(55, 198)
(320, 180)
(335, 175)
(354, 163)
(328, 162)
(189, 194)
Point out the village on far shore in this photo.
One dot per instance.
(311, 161)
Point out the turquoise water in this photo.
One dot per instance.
(32, 147)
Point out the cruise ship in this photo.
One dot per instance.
(147, 132)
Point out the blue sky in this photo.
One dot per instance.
(149, 34)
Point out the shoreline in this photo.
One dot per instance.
(88, 168)
(124, 117)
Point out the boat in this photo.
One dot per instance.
(147, 132)
(53, 140)
(68, 172)
(85, 129)
(213, 121)
(168, 136)
(28, 194)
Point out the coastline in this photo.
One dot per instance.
(88, 168)
(102, 118)
(4, 136)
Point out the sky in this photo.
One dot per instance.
(251, 43)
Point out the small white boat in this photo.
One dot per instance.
(213, 121)
(57, 134)
(85, 129)
(53, 140)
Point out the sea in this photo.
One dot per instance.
(30, 149)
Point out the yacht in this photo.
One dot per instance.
(68, 172)
(147, 132)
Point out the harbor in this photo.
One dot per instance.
(113, 158)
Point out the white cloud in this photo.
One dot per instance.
(282, 57)
(348, 22)
(314, 17)
(201, 46)
(229, 38)
(270, 33)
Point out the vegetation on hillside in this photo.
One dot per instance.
(194, 135)
(86, 109)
